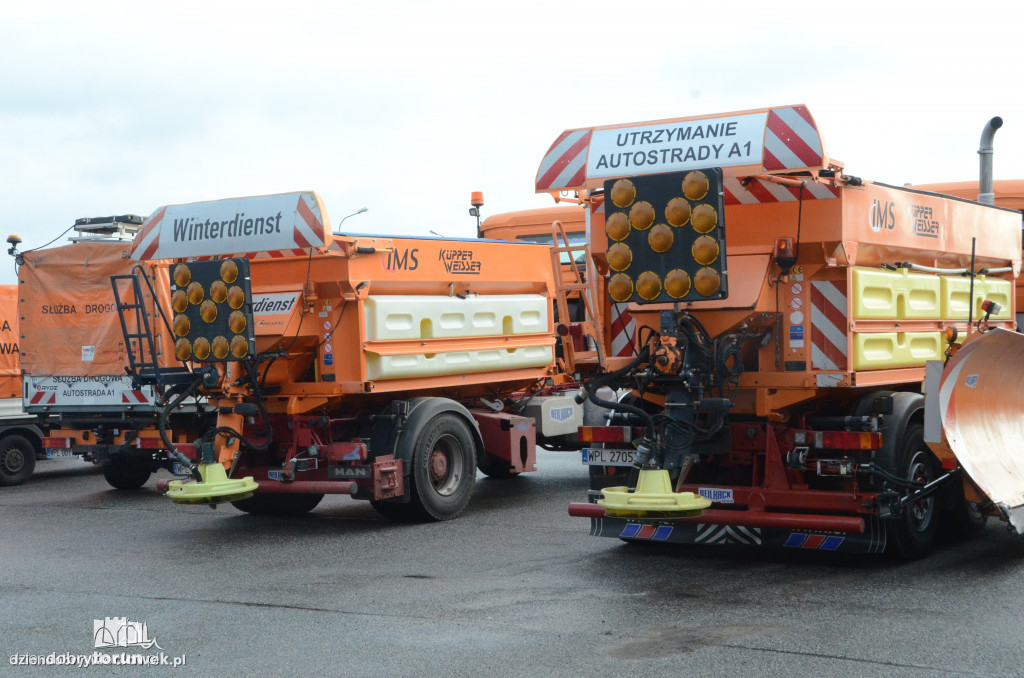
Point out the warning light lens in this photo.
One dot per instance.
(620, 287)
(201, 349)
(239, 346)
(236, 321)
(236, 297)
(695, 185)
(182, 275)
(617, 226)
(208, 311)
(677, 212)
(677, 283)
(220, 348)
(623, 193)
(218, 291)
(648, 285)
(179, 301)
(182, 349)
(619, 256)
(229, 271)
(195, 293)
(705, 250)
(951, 334)
(707, 281)
(660, 238)
(705, 218)
(181, 325)
(641, 216)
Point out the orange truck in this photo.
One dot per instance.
(386, 368)
(21, 434)
(73, 356)
(785, 313)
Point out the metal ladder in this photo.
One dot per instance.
(139, 339)
(584, 286)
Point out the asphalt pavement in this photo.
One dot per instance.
(514, 587)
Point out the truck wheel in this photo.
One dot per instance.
(494, 467)
(127, 474)
(443, 469)
(17, 460)
(961, 519)
(273, 504)
(912, 534)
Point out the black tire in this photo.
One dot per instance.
(393, 510)
(961, 519)
(443, 469)
(128, 475)
(17, 460)
(274, 504)
(912, 535)
(493, 467)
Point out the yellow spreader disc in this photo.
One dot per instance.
(215, 487)
(653, 498)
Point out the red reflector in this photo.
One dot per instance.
(605, 434)
(149, 443)
(56, 443)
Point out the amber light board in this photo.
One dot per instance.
(212, 305)
(667, 237)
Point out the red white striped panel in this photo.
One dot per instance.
(623, 331)
(565, 163)
(44, 398)
(829, 326)
(791, 140)
(147, 240)
(757, 191)
(134, 398)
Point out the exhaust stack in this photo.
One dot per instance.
(985, 191)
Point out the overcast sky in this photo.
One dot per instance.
(110, 107)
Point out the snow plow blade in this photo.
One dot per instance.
(981, 409)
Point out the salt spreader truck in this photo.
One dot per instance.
(385, 368)
(784, 314)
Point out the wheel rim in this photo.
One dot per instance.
(13, 460)
(922, 510)
(446, 465)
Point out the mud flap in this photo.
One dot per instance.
(872, 540)
(980, 399)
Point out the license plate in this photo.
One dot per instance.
(59, 453)
(181, 470)
(605, 457)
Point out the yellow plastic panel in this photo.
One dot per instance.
(443, 317)
(891, 350)
(955, 292)
(460, 362)
(895, 295)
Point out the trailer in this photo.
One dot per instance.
(73, 357)
(785, 312)
(21, 434)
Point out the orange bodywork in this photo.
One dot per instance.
(10, 368)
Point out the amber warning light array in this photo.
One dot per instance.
(212, 304)
(666, 237)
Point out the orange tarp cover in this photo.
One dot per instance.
(10, 370)
(69, 323)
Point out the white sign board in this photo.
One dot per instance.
(673, 146)
(286, 221)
